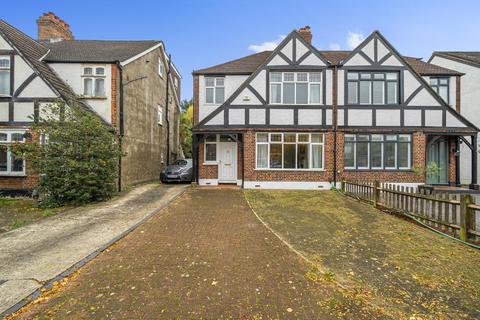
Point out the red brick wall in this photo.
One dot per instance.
(114, 93)
(251, 174)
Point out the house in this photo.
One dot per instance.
(299, 117)
(468, 91)
(126, 83)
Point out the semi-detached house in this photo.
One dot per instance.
(299, 117)
(131, 85)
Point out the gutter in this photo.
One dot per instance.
(334, 120)
(121, 124)
(167, 109)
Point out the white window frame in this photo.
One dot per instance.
(8, 143)
(295, 81)
(214, 87)
(9, 69)
(159, 115)
(210, 162)
(93, 77)
(297, 142)
(436, 86)
(161, 67)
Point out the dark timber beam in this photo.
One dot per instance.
(474, 184)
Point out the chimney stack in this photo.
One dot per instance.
(52, 28)
(306, 34)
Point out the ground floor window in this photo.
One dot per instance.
(211, 143)
(295, 151)
(9, 163)
(378, 151)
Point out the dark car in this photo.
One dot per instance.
(179, 171)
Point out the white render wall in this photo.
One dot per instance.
(71, 73)
(469, 106)
(232, 82)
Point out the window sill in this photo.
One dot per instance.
(292, 170)
(210, 163)
(11, 174)
(93, 98)
(378, 170)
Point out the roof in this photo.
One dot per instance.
(468, 57)
(250, 63)
(96, 50)
(32, 51)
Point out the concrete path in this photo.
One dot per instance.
(206, 256)
(36, 253)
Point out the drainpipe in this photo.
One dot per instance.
(167, 108)
(334, 123)
(121, 124)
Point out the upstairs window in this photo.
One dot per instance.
(161, 67)
(4, 75)
(373, 88)
(9, 163)
(441, 85)
(295, 87)
(160, 115)
(94, 82)
(214, 90)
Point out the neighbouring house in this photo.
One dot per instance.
(467, 91)
(132, 85)
(299, 117)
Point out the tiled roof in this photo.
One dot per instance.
(249, 64)
(95, 50)
(33, 51)
(469, 57)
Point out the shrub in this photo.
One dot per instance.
(76, 154)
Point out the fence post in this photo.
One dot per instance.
(465, 200)
(376, 193)
(342, 185)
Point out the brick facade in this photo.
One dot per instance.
(52, 27)
(419, 142)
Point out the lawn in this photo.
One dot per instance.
(17, 212)
(402, 268)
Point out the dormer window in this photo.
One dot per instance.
(440, 85)
(379, 88)
(94, 82)
(4, 75)
(295, 87)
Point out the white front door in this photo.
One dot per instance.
(227, 164)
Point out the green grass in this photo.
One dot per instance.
(17, 224)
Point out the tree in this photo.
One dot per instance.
(76, 154)
(186, 124)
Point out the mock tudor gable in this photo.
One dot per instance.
(250, 105)
(418, 105)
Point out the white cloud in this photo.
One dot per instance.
(354, 39)
(334, 46)
(269, 45)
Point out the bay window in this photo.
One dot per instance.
(5, 75)
(441, 85)
(372, 88)
(290, 151)
(9, 163)
(214, 90)
(93, 81)
(295, 87)
(378, 151)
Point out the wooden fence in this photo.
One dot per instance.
(454, 214)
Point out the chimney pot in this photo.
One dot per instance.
(306, 33)
(51, 27)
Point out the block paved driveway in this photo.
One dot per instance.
(204, 257)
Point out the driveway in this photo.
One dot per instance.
(36, 253)
(405, 270)
(206, 256)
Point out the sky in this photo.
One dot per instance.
(204, 33)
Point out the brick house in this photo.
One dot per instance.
(126, 83)
(468, 63)
(299, 117)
